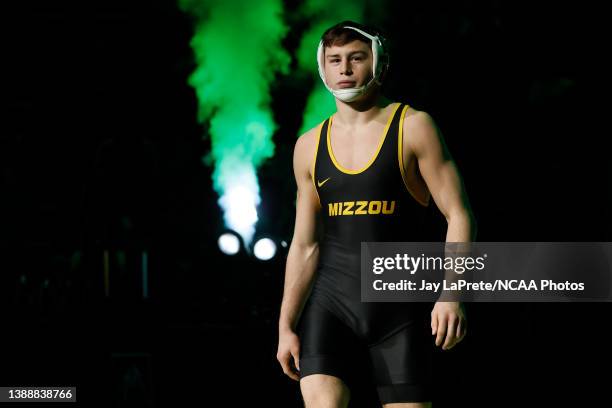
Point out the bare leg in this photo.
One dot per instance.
(408, 405)
(324, 391)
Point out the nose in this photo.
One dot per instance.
(346, 67)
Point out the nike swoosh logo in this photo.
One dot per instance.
(320, 183)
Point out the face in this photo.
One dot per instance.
(349, 65)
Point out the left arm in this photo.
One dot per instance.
(443, 180)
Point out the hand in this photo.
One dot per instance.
(288, 347)
(448, 323)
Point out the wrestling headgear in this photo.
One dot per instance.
(380, 65)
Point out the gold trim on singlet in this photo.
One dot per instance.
(400, 155)
(380, 144)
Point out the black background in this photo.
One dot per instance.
(100, 150)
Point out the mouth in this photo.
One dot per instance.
(346, 84)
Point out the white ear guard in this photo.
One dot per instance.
(379, 66)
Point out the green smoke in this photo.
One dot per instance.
(238, 51)
(321, 103)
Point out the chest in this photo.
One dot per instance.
(355, 149)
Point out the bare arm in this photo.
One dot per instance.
(303, 253)
(448, 320)
(441, 176)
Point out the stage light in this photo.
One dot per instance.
(229, 243)
(264, 249)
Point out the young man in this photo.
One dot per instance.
(392, 157)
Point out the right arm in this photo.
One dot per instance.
(303, 255)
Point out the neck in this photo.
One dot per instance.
(360, 111)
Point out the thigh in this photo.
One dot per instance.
(320, 390)
(327, 344)
(408, 405)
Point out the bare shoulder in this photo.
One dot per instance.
(307, 141)
(304, 150)
(417, 120)
(420, 130)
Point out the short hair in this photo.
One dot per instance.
(339, 35)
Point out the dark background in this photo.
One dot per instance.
(100, 151)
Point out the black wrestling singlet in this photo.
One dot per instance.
(368, 204)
